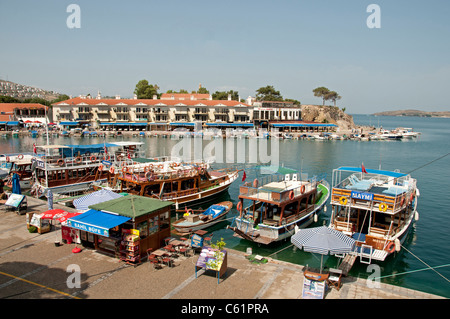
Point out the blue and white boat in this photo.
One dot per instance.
(375, 207)
(193, 221)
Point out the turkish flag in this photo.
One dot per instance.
(34, 148)
(363, 169)
(244, 176)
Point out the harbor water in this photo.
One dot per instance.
(426, 244)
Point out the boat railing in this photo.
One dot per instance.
(53, 161)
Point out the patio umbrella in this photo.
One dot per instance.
(323, 240)
(52, 213)
(16, 184)
(97, 197)
(62, 219)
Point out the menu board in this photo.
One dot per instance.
(210, 259)
(313, 289)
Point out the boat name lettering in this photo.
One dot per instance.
(361, 195)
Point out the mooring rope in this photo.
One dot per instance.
(412, 271)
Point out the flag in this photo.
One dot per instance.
(363, 169)
(106, 150)
(128, 155)
(34, 148)
(244, 176)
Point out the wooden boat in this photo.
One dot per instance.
(282, 204)
(71, 169)
(172, 180)
(196, 220)
(375, 207)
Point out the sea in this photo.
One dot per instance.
(425, 263)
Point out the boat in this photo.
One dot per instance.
(172, 180)
(374, 207)
(406, 132)
(390, 135)
(197, 220)
(279, 205)
(71, 169)
(287, 136)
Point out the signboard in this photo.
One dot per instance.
(15, 200)
(106, 163)
(313, 289)
(361, 195)
(89, 228)
(196, 241)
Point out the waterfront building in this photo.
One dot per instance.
(15, 115)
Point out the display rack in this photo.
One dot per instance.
(130, 249)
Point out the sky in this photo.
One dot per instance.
(243, 45)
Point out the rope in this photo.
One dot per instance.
(429, 267)
(412, 271)
(428, 163)
(281, 250)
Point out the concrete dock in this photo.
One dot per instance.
(32, 267)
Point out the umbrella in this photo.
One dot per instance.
(50, 199)
(16, 184)
(67, 216)
(97, 197)
(52, 213)
(323, 240)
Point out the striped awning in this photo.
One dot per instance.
(97, 197)
(323, 240)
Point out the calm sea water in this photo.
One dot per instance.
(428, 240)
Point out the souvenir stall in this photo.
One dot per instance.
(129, 223)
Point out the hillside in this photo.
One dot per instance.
(414, 113)
(327, 114)
(22, 92)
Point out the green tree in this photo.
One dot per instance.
(202, 90)
(144, 90)
(296, 102)
(322, 93)
(333, 96)
(222, 95)
(181, 91)
(268, 93)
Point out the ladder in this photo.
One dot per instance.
(363, 254)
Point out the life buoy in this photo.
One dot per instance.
(60, 162)
(239, 207)
(20, 156)
(149, 176)
(343, 200)
(383, 207)
(134, 177)
(111, 170)
(402, 201)
(78, 160)
(93, 158)
(411, 197)
(107, 157)
(302, 189)
(255, 183)
(391, 247)
(100, 167)
(119, 157)
(160, 166)
(291, 195)
(145, 169)
(202, 171)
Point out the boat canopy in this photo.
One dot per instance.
(214, 211)
(372, 171)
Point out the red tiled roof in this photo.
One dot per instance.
(146, 102)
(7, 109)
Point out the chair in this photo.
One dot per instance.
(334, 279)
(168, 261)
(153, 259)
(287, 178)
(294, 177)
(170, 249)
(209, 239)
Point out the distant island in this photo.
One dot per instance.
(414, 113)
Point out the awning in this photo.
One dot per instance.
(96, 222)
(123, 124)
(302, 125)
(97, 197)
(68, 123)
(12, 123)
(230, 124)
(372, 171)
(182, 124)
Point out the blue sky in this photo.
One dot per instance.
(295, 46)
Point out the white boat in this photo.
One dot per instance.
(407, 132)
(194, 220)
(376, 208)
(390, 135)
(279, 204)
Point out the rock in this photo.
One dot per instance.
(327, 114)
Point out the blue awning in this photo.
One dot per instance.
(3, 122)
(182, 123)
(12, 123)
(302, 125)
(96, 222)
(68, 123)
(372, 171)
(231, 124)
(124, 124)
(76, 150)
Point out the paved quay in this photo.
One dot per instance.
(32, 267)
